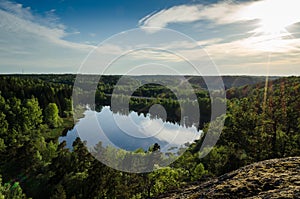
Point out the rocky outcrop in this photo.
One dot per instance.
(276, 178)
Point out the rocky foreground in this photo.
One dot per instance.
(276, 178)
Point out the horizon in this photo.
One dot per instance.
(223, 75)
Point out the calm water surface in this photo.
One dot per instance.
(129, 132)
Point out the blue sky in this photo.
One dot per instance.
(238, 37)
(98, 19)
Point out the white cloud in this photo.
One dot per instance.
(171, 133)
(153, 55)
(209, 41)
(176, 14)
(255, 45)
(221, 13)
(284, 12)
(16, 9)
(32, 42)
(259, 29)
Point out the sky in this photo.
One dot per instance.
(204, 37)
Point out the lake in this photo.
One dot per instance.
(129, 132)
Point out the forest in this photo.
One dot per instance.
(262, 122)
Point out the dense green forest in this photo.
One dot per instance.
(260, 123)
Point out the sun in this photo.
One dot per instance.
(275, 16)
(272, 16)
(268, 25)
(272, 20)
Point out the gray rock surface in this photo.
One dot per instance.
(275, 178)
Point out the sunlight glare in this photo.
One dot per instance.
(274, 15)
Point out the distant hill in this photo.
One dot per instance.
(229, 81)
(248, 89)
(276, 178)
(198, 81)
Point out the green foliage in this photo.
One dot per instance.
(261, 126)
(59, 193)
(68, 107)
(164, 179)
(52, 117)
(31, 114)
(3, 131)
(256, 128)
(11, 191)
(198, 172)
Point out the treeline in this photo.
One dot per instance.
(26, 87)
(58, 89)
